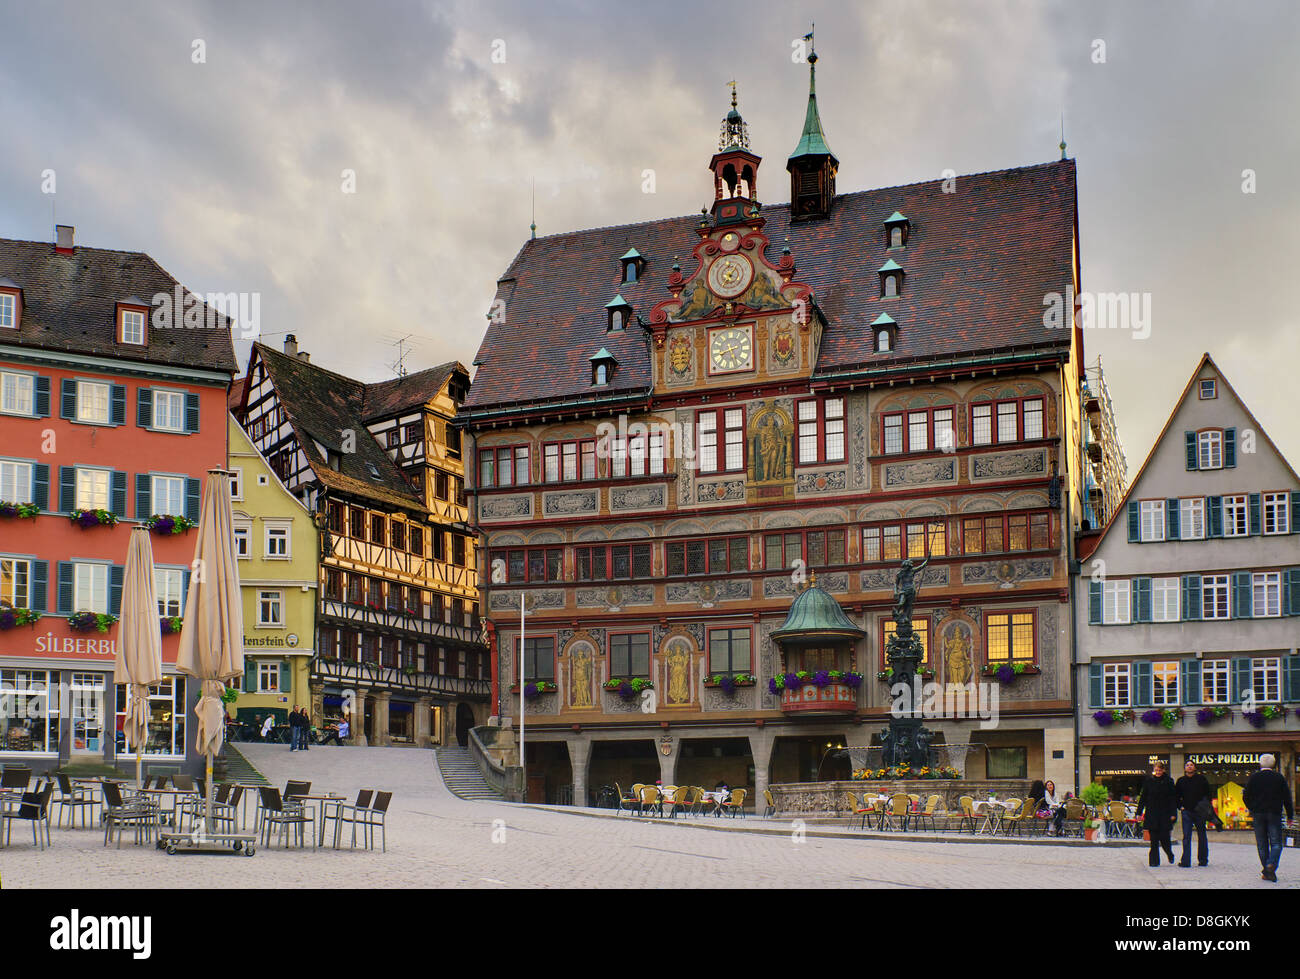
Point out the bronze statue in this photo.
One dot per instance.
(905, 589)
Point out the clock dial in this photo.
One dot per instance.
(730, 275)
(731, 349)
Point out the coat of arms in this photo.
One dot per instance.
(783, 345)
(679, 356)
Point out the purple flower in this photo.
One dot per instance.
(821, 678)
(626, 691)
(792, 681)
(164, 525)
(728, 683)
(530, 690)
(1153, 716)
(8, 511)
(1005, 673)
(1204, 716)
(88, 518)
(853, 680)
(771, 686)
(1255, 717)
(8, 619)
(1104, 717)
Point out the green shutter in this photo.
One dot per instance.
(1291, 591)
(1229, 448)
(1134, 527)
(1171, 520)
(1291, 679)
(66, 596)
(1191, 597)
(1295, 512)
(286, 677)
(117, 405)
(68, 399)
(1141, 599)
(1242, 678)
(115, 575)
(67, 488)
(144, 407)
(42, 396)
(117, 494)
(193, 494)
(1255, 527)
(1094, 685)
(1094, 603)
(1241, 595)
(41, 485)
(1214, 516)
(143, 490)
(250, 676)
(1191, 682)
(1142, 683)
(191, 413)
(38, 594)
(1189, 439)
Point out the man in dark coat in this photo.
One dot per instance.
(1158, 801)
(1192, 793)
(1265, 795)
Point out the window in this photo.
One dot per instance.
(1152, 524)
(1191, 518)
(378, 528)
(1011, 637)
(90, 583)
(1164, 599)
(882, 342)
(1006, 421)
(168, 586)
(1016, 420)
(268, 677)
(1033, 418)
(397, 534)
(1235, 516)
(169, 411)
(1266, 675)
(17, 393)
(614, 562)
(241, 542)
(167, 494)
(918, 431)
(1214, 681)
(539, 657)
(458, 550)
(882, 543)
(729, 651)
(270, 608)
(717, 555)
(895, 237)
(92, 489)
(1008, 762)
(821, 431)
(982, 424)
(1115, 685)
(16, 482)
(889, 285)
(1006, 532)
(1209, 446)
(1214, 596)
(1266, 588)
(629, 655)
(8, 306)
(415, 540)
(277, 542)
(920, 626)
(600, 373)
(1164, 684)
(532, 564)
(504, 466)
(731, 458)
(132, 326)
(1115, 602)
(92, 402)
(15, 582)
(816, 548)
(1275, 513)
(439, 486)
(1208, 389)
(561, 460)
(237, 487)
(453, 442)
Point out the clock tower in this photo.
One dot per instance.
(735, 170)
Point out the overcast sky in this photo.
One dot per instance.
(229, 171)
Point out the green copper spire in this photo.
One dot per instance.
(812, 142)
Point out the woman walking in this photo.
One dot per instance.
(1159, 802)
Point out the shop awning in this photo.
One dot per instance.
(398, 707)
(332, 700)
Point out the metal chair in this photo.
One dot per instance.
(1075, 814)
(649, 799)
(344, 813)
(681, 801)
(35, 806)
(933, 808)
(74, 797)
(897, 812)
(376, 815)
(284, 814)
(15, 777)
(137, 813)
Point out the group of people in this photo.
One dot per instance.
(1266, 796)
(300, 729)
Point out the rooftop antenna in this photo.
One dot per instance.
(532, 228)
(400, 366)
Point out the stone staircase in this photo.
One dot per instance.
(462, 776)
(239, 769)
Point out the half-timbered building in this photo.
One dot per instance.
(398, 645)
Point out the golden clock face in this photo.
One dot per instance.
(730, 275)
(731, 349)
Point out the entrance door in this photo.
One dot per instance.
(464, 721)
(86, 702)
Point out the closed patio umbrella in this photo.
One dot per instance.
(139, 642)
(212, 637)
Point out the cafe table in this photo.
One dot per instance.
(325, 799)
(175, 795)
(993, 813)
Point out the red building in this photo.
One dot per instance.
(111, 413)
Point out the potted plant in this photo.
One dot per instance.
(1007, 672)
(730, 681)
(1266, 713)
(92, 518)
(1095, 795)
(229, 695)
(1207, 715)
(13, 617)
(628, 689)
(19, 511)
(165, 523)
(1166, 717)
(91, 621)
(535, 688)
(170, 624)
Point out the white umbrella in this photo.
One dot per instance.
(139, 641)
(212, 638)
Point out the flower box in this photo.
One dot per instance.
(1165, 717)
(822, 678)
(19, 511)
(1256, 718)
(90, 621)
(92, 518)
(1105, 718)
(729, 682)
(1007, 672)
(11, 618)
(887, 675)
(170, 624)
(535, 688)
(628, 689)
(1208, 715)
(166, 523)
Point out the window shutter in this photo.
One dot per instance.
(1190, 440)
(1141, 599)
(115, 574)
(1094, 685)
(1214, 516)
(286, 676)
(143, 491)
(1291, 678)
(185, 589)
(42, 396)
(41, 485)
(65, 588)
(1191, 597)
(1134, 528)
(1242, 678)
(1229, 448)
(1295, 512)
(192, 496)
(67, 488)
(144, 407)
(1142, 683)
(117, 494)
(1291, 591)
(68, 399)
(1171, 520)
(1255, 528)
(39, 593)
(1094, 603)
(250, 676)
(1241, 599)
(191, 413)
(1191, 682)
(117, 405)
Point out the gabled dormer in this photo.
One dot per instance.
(620, 314)
(132, 322)
(812, 165)
(897, 228)
(633, 265)
(602, 367)
(884, 332)
(11, 304)
(891, 279)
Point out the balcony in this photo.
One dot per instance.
(834, 698)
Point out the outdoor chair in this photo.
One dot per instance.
(225, 807)
(859, 809)
(649, 799)
(74, 798)
(293, 788)
(627, 803)
(735, 804)
(184, 783)
(681, 800)
(344, 813)
(770, 809)
(15, 777)
(933, 805)
(284, 814)
(1075, 814)
(897, 812)
(967, 815)
(376, 815)
(35, 807)
(136, 813)
(1117, 820)
(1028, 812)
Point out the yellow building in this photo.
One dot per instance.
(278, 553)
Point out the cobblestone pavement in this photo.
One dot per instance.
(438, 840)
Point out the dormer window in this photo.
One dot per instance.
(131, 322)
(896, 230)
(891, 279)
(885, 330)
(602, 367)
(11, 304)
(633, 265)
(620, 313)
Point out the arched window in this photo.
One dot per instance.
(616, 320)
(891, 285)
(882, 341)
(602, 374)
(895, 237)
(629, 271)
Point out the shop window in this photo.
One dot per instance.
(1008, 763)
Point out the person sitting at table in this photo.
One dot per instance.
(1055, 805)
(337, 733)
(266, 727)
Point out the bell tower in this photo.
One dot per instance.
(812, 165)
(735, 170)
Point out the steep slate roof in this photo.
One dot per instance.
(401, 393)
(978, 263)
(70, 304)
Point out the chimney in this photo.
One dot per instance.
(305, 357)
(291, 345)
(64, 238)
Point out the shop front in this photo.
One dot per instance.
(1122, 774)
(1227, 772)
